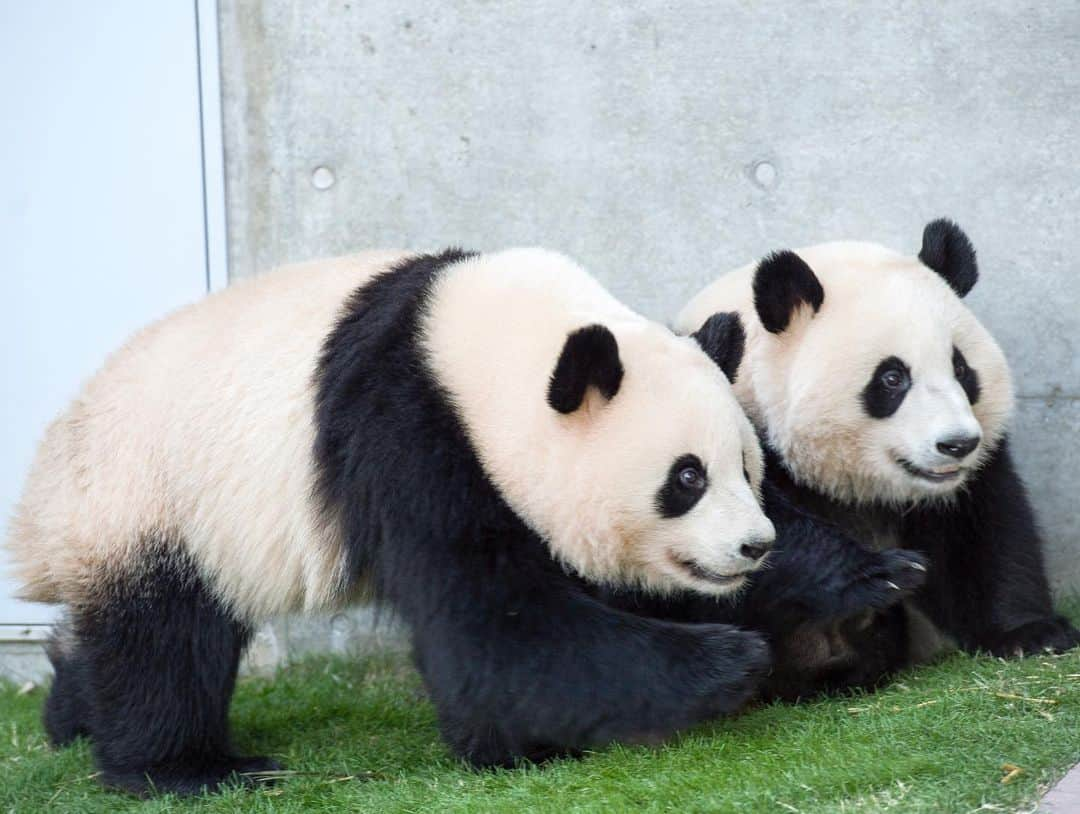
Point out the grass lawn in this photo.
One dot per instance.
(361, 737)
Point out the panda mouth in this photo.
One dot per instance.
(941, 474)
(699, 571)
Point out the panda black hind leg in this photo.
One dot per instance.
(66, 714)
(157, 661)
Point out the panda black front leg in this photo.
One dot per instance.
(156, 655)
(539, 669)
(817, 574)
(989, 588)
(820, 576)
(1055, 635)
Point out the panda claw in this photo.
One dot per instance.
(918, 566)
(893, 585)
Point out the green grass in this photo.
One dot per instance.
(361, 737)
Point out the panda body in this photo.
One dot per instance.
(458, 435)
(883, 404)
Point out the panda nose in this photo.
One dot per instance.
(958, 446)
(755, 549)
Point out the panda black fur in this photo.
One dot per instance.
(822, 395)
(318, 458)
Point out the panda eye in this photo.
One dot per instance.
(692, 478)
(893, 379)
(887, 388)
(684, 486)
(966, 375)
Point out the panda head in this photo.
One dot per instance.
(619, 443)
(867, 372)
(666, 473)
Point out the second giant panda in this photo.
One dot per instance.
(884, 407)
(472, 438)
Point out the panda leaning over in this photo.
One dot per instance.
(475, 439)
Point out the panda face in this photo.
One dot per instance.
(621, 444)
(674, 468)
(866, 371)
(944, 435)
(920, 436)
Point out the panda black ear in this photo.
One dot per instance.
(723, 339)
(590, 357)
(947, 250)
(782, 283)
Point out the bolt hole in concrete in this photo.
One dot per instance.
(341, 630)
(764, 174)
(341, 625)
(322, 178)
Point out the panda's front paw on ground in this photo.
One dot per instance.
(894, 575)
(199, 776)
(737, 661)
(1054, 635)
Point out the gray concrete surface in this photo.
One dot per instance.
(353, 632)
(663, 144)
(1064, 797)
(22, 662)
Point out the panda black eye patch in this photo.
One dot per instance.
(888, 386)
(686, 482)
(966, 375)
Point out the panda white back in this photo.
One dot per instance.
(198, 428)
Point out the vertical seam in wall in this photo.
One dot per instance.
(202, 145)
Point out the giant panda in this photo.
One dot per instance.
(475, 439)
(883, 405)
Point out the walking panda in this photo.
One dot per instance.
(474, 439)
(884, 406)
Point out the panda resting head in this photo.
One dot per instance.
(864, 368)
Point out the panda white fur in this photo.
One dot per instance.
(474, 439)
(884, 404)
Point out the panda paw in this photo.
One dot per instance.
(736, 663)
(1053, 635)
(194, 778)
(894, 575)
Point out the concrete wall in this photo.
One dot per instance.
(665, 143)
